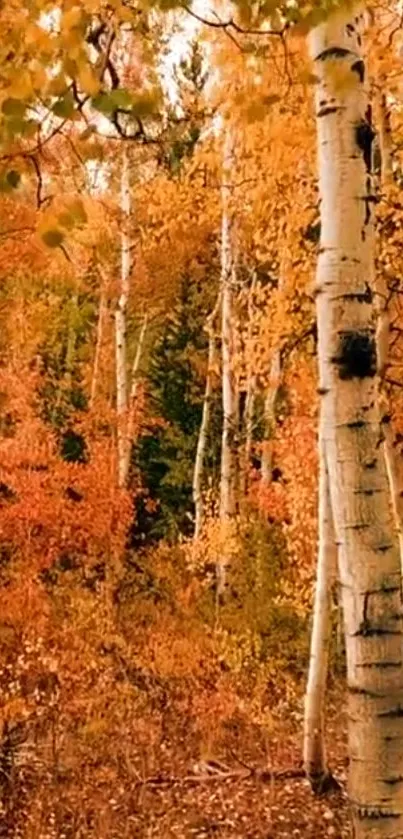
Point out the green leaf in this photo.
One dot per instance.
(121, 98)
(271, 99)
(53, 237)
(107, 103)
(144, 105)
(13, 178)
(65, 106)
(13, 107)
(29, 127)
(66, 220)
(78, 212)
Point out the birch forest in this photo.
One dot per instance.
(201, 419)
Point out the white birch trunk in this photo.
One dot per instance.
(384, 135)
(315, 762)
(98, 344)
(229, 394)
(249, 410)
(270, 417)
(270, 402)
(205, 424)
(369, 561)
(383, 328)
(395, 477)
(120, 322)
(71, 340)
(131, 403)
(248, 421)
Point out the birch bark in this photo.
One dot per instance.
(369, 561)
(315, 761)
(385, 134)
(271, 399)
(98, 345)
(250, 399)
(120, 322)
(229, 393)
(205, 423)
(393, 466)
(270, 417)
(130, 412)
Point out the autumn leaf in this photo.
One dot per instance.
(53, 237)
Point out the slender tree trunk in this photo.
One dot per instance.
(393, 467)
(249, 410)
(249, 422)
(369, 561)
(395, 477)
(205, 423)
(384, 134)
(270, 403)
(229, 393)
(98, 344)
(270, 417)
(120, 322)
(314, 727)
(71, 340)
(132, 399)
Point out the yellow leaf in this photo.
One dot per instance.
(88, 80)
(38, 78)
(52, 237)
(21, 86)
(72, 18)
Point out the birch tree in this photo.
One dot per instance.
(205, 422)
(102, 312)
(383, 302)
(270, 416)
(369, 561)
(271, 397)
(121, 321)
(250, 396)
(229, 393)
(130, 408)
(315, 761)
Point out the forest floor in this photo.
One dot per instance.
(238, 804)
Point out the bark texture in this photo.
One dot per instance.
(121, 322)
(315, 762)
(369, 561)
(134, 382)
(382, 297)
(250, 399)
(229, 391)
(102, 311)
(270, 417)
(205, 423)
(271, 401)
(384, 134)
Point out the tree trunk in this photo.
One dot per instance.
(249, 414)
(98, 344)
(270, 418)
(229, 394)
(120, 321)
(315, 762)
(369, 561)
(270, 402)
(250, 400)
(383, 327)
(205, 423)
(132, 399)
(384, 134)
(71, 340)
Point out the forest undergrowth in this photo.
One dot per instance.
(135, 706)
